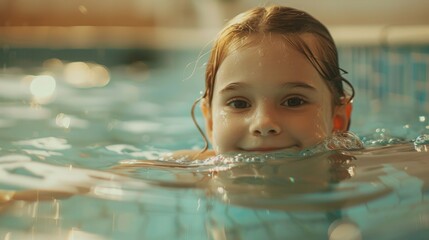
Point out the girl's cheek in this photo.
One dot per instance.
(221, 125)
(224, 132)
(309, 130)
(221, 121)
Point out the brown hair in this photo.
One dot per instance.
(291, 23)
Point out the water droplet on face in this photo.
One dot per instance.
(223, 114)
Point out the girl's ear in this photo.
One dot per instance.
(342, 117)
(207, 113)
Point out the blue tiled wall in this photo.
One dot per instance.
(386, 74)
(391, 83)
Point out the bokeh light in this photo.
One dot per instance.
(86, 75)
(42, 87)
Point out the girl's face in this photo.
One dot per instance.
(268, 97)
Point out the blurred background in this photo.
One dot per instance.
(188, 24)
(383, 44)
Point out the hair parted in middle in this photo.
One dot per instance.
(292, 24)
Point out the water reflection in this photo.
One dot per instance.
(67, 121)
(76, 234)
(18, 112)
(112, 191)
(336, 192)
(62, 120)
(48, 143)
(291, 183)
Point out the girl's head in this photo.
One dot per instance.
(273, 82)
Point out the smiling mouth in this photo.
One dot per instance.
(268, 149)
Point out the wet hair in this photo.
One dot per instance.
(292, 24)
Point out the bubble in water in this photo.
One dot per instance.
(339, 141)
(345, 140)
(421, 143)
(382, 137)
(422, 139)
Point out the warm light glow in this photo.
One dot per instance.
(83, 9)
(53, 64)
(86, 75)
(76, 73)
(42, 86)
(344, 230)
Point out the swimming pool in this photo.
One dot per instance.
(71, 145)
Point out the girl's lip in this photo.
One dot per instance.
(267, 149)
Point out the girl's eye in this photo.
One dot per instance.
(237, 103)
(294, 102)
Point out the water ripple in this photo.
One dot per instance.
(48, 143)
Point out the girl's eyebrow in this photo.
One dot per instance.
(298, 85)
(291, 85)
(234, 86)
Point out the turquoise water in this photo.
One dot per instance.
(72, 166)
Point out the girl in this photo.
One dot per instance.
(272, 84)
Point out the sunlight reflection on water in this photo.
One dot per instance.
(93, 163)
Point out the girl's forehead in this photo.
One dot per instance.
(276, 41)
(273, 49)
(267, 58)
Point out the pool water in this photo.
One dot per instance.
(73, 166)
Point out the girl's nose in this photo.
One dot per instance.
(264, 124)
